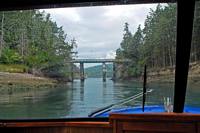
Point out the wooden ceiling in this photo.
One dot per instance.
(41, 4)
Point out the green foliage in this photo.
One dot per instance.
(130, 49)
(31, 38)
(96, 71)
(155, 44)
(56, 71)
(13, 68)
(10, 56)
(135, 70)
(195, 55)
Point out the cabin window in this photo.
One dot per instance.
(67, 62)
(192, 95)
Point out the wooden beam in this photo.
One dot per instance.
(41, 4)
(155, 123)
(185, 15)
(152, 117)
(57, 124)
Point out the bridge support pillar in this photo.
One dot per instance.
(82, 76)
(72, 72)
(104, 71)
(114, 71)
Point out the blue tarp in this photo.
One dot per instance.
(148, 109)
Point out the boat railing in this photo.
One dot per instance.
(122, 102)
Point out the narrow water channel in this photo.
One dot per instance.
(78, 99)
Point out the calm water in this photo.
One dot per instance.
(78, 99)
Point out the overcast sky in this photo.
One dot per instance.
(99, 30)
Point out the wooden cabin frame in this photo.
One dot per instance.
(118, 123)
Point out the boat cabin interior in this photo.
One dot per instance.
(176, 122)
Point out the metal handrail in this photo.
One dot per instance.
(109, 107)
(132, 98)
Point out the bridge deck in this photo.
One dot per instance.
(98, 61)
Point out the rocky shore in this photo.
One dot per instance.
(167, 75)
(8, 80)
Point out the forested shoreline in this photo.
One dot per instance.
(155, 44)
(33, 43)
(30, 42)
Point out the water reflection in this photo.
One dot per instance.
(82, 91)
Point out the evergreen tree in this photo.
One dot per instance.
(31, 38)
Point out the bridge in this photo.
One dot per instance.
(99, 60)
(103, 61)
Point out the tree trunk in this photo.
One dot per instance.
(170, 56)
(23, 44)
(2, 34)
(164, 57)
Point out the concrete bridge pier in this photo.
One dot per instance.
(82, 75)
(104, 71)
(72, 72)
(114, 71)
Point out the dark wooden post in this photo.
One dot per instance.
(183, 45)
(144, 87)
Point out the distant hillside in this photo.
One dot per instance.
(96, 71)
